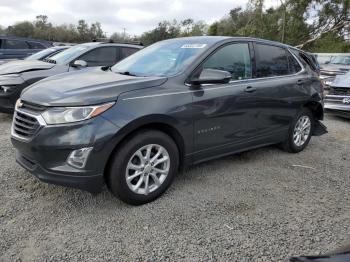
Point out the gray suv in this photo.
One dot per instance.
(173, 104)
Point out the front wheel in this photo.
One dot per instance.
(143, 167)
(300, 132)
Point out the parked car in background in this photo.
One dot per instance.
(338, 64)
(14, 77)
(324, 58)
(41, 55)
(46, 53)
(18, 48)
(175, 103)
(338, 100)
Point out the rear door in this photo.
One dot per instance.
(15, 49)
(277, 90)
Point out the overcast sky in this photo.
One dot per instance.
(136, 16)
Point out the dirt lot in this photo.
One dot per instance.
(254, 206)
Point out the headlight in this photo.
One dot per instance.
(11, 76)
(62, 115)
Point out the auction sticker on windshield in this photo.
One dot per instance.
(194, 46)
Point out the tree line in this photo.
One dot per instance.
(313, 25)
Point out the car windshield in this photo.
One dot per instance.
(164, 58)
(67, 55)
(340, 60)
(40, 55)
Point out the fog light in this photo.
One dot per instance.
(79, 157)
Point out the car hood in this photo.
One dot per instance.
(86, 87)
(16, 67)
(342, 81)
(335, 69)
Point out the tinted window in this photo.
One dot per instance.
(126, 51)
(35, 45)
(15, 44)
(294, 66)
(234, 58)
(104, 56)
(271, 61)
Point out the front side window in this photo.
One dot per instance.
(271, 61)
(233, 58)
(16, 44)
(104, 56)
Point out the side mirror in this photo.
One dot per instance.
(212, 76)
(79, 63)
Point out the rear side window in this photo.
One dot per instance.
(294, 66)
(36, 45)
(104, 56)
(16, 44)
(126, 51)
(233, 58)
(271, 61)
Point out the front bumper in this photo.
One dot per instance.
(91, 183)
(335, 104)
(45, 154)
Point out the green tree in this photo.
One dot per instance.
(23, 29)
(164, 30)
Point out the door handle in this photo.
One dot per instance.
(249, 89)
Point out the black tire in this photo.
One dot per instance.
(116, 179)
(289, 145)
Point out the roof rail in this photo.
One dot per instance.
(108, 40)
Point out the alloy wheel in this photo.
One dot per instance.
(302, 130)
(147, 169)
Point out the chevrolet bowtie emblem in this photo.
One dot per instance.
(346, 100)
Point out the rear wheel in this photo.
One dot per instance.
(300, 132)
(144, 167)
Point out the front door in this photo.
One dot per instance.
(223, 115)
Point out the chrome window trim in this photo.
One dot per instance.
(39, 118)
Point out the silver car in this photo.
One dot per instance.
(338, 99)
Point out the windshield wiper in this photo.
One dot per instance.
(126, 73)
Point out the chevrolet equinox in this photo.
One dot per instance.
(178, 102)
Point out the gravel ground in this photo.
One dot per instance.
(254, 206)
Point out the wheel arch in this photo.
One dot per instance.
(156, 122)
(316, 108)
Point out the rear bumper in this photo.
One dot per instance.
(337, 105)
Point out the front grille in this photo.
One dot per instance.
(32, 107)
(24, 125)
(341, 91)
